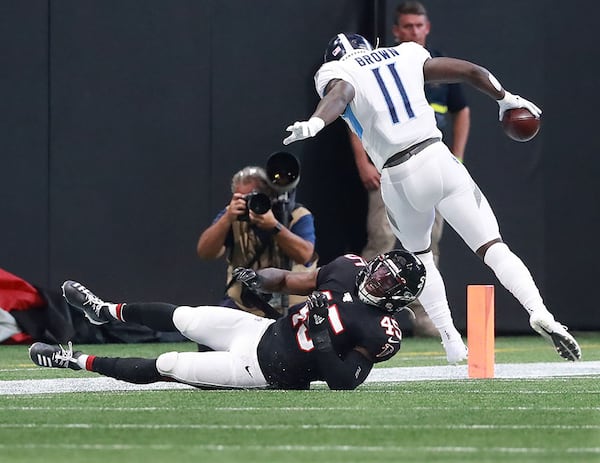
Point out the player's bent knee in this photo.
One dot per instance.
(482, 250)
(183, 318)
(165, 363)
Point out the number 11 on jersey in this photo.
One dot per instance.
(386, 94)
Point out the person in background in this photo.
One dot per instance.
(255, 235)
(452, 115)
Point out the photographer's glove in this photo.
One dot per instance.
(248, 278)
(318, 320)
(511, 101)
(304, 129)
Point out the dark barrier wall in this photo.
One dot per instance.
(24, 240)
(130, 151)
(123, 122)
(571, 165)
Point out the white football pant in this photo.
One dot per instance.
(233, 334)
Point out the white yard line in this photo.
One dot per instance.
(538, 451)
(502, 371)
(378, 375)
(271, 427)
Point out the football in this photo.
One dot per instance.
(520, 125)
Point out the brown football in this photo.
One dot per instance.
(520, 125)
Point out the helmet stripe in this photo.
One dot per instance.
(345, 43)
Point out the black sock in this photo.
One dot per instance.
(155, 315)
(132, 370)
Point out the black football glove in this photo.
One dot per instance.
(248, 277)
(318, 320)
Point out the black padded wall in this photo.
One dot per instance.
(571, 166)
(130, 146)
(24, 139)
(124, 120)
(154, 107)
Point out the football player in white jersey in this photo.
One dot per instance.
(379, 93)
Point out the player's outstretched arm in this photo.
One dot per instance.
(449, 70)
(282, 281)
(338, 94)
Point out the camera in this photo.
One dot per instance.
(283, 175)
(257, 202)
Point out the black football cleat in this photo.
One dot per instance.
(94, 308)
(54, 356)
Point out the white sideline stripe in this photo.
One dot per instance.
(378, 375)
(535, 409)
(502, 371)
(308, 448)
(261, 427)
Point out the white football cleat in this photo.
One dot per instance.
(543, 323)
(456, 351)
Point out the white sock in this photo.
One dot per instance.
(81, 360)
(514, 276)
(434, 300)
(115, 311)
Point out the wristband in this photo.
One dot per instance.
(507, 99)
(315, 125)
(277, 228)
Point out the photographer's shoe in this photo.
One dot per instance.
(543, 323)
(94, 308)
(46, 355)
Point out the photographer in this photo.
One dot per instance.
(252, 235)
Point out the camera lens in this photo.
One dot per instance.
(283, 171)
(259, 203)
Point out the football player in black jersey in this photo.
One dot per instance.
(347, 324)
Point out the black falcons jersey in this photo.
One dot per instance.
(286, 352)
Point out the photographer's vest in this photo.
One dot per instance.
(248, 251)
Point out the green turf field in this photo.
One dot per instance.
(500, 420)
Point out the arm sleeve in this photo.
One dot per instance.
(304, 227)
(219, 215)
(347, 373)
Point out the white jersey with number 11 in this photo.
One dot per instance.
(389, 111)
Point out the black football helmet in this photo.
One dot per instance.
(342, 44)
(392, 280)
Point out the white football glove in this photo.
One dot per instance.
(511, 101)
(304, 129)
